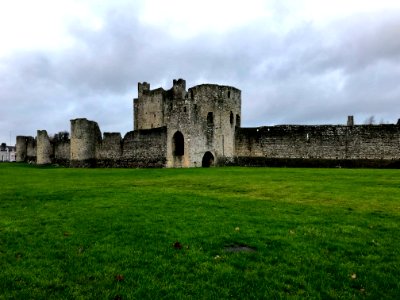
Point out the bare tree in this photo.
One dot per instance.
(62, 136)
(370, 120)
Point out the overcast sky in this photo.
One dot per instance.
(296, 62)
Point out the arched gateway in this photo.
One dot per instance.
(178, 149)
(178, 144)
(208, 160)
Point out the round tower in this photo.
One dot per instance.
(85, 136)
(21, 146)
(201, 124)
(44, 149)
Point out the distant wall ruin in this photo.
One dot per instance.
(87, 148)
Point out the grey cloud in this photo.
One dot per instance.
(366, 74)
(307, 75)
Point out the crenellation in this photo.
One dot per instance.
(201, 126)
(143, 88)
(179, 89)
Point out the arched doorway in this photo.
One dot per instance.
(178, 144)
(208, 160)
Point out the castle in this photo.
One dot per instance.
(201, 127)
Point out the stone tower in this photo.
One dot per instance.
(200, 122)
(85, 136)
(26, 148)
(44, 149)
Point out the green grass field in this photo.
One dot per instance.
(241, 233)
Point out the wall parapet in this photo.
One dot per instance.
(363, 142)
(201, 126)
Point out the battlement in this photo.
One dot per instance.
(179, 88)
(143, 88)
(179, 84)
(201, 127)
(156, 108)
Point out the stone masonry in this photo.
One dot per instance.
(201, 126)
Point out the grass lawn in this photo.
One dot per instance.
(242, 233)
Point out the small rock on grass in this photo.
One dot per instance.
(178, 245)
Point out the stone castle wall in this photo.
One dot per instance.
(62, 151)
(110, 148)
(140, 148)
(43, 149)
(86, 148)
(201, 126)
(25, 149)
(204, 117)
(257, 146)
(144, 148)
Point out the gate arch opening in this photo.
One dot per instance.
(178, 144)
(208, 160)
